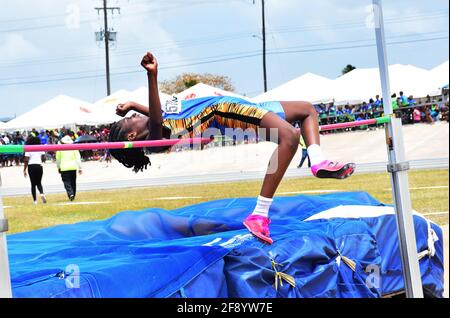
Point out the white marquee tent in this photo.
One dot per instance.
(140, 96)
(362, 84)
(308, 87)
(104, 110)
(440, 75)
(55, 113)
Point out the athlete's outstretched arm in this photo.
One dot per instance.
(124, 108)
(150, 63)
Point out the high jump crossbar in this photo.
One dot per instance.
(14, 149)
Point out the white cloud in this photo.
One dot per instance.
(16, 46)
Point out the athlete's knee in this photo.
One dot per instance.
(310, 109)
(290, 137)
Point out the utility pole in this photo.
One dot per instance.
(264, 44)
(107, 36)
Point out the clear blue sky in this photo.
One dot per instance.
(45, 50)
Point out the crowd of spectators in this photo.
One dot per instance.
(54, 136)
(423, 110)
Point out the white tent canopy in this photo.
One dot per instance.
(140, 96)
(440, 75)
(104, 110)
(308, 87)
(2, 124)
(55, 113)
(362, 84)
(411, 80)
(203, 90)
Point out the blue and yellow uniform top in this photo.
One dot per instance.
(192, 117)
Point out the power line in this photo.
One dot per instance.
(129, 15)
(225, 59)
(402, 36)
(430, 15)
(278, 49)
(183, 43)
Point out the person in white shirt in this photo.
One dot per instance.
(6, 139)
(33, 165)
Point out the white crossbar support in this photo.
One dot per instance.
(399, 177)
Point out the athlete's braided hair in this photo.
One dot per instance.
(134, 158)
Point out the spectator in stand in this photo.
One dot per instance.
(34, 133)
(104, 134)
(362, 116)
(62, 133)
(322, 114)
(417, 118)
(371, 112)
(364, 108)
(394, 102)
(340, 114)
(426, 115)
(444, 112)
(434, 112)
(332, 113)
(349, 114)
(427, 111)
(43, 137)
(378, 103)
(5, 141)
(403, 100)
(371, 105)
(18, 140)
(52, 137)
(407, 113)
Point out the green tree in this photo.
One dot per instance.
(348, 69)
(186, 80)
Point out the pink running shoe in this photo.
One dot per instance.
(330, 169)
(259, 227)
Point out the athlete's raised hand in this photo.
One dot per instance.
(150, 63)
(124, 108)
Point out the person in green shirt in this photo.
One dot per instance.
(394, 102)
(68, 162)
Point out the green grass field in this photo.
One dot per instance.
(429, 193)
